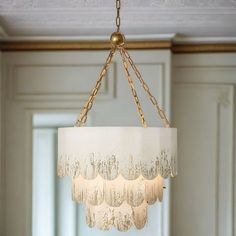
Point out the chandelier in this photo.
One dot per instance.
(118, 171)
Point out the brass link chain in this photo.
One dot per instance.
(126, 61)
(146, 88)
(133, 90)
(88, 105)
(118, 5)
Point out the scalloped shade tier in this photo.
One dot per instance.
(117, 171)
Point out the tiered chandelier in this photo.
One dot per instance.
(118, 171)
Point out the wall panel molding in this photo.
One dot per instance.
(214, 104)
(52, 77)
(21, 105)
(215, 71)
(63, 82)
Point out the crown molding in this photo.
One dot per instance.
(204, 48)
(152, 41)
(105, 45)
(178, 39)
(203, 44)
(176, 43)
(79, 45)
(136, 37)
(194, 18)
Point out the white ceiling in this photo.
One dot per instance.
(83, 18)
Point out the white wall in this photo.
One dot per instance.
(1, 153)
(59, 82)
(203, 194)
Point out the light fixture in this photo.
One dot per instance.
(118, 171)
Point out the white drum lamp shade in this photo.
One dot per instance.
(117, 171)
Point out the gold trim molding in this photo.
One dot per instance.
(204, 48)
(105, 45)
(78, 45)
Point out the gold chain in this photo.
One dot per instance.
(88, 105)
(146, 88)
(133, 90)
(118, 4)
(126, 60)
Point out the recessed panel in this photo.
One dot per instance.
(63, 82)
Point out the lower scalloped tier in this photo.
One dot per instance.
(116, 192)
(109, 167)
(122, 217)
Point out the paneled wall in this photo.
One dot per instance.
(58, 83)
(1, 150)
(203, 93)
(203, 194)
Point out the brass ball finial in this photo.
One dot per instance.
(117, 39)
